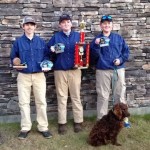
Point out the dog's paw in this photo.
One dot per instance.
(117, 144)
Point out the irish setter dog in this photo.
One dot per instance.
(108, 127)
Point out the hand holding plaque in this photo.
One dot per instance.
(58, 48)
(104, 41)
(17, 64)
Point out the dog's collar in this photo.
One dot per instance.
(115, 115)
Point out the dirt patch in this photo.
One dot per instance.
(1, 139)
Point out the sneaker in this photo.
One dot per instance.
(46, 134)
(77, 127)
(23, 134)
(62, 129)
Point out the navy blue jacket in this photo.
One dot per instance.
(32, 52)
(103, 57)
(65, 60)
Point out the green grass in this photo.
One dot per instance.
(135, 138)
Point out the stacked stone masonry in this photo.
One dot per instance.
(131, 20)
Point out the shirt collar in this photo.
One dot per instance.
(28, 38)
(101, 34)
(67, 33)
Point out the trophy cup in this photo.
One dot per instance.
(82, 50)
(17, 64)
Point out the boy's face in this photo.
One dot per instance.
(106, 26)
(29, 28)
(65, 25)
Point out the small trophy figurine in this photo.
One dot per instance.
(46, 65)
(82, 33)
(17, 64)
(82, 49)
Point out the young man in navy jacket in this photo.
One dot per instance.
(109, 52)
(66, 77)
(31, 50)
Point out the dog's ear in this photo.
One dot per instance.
(117, 111)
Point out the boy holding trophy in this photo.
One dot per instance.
(62, 45)
(27, 56)
(109, 52)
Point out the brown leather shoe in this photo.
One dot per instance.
(62, 129)
(77, 127)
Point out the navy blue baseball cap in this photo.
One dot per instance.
(106, 18)
(28, 19)
(64, 17)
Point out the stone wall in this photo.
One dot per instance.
(131, 20)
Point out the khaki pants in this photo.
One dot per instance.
(38, 82)
(103, 88)
(71, 80)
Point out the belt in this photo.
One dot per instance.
(35, 72)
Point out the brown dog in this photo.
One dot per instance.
(108, 127)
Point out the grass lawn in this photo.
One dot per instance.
(135, 138)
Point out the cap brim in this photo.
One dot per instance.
(65, 18)
(29, 22)
(110, 20)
